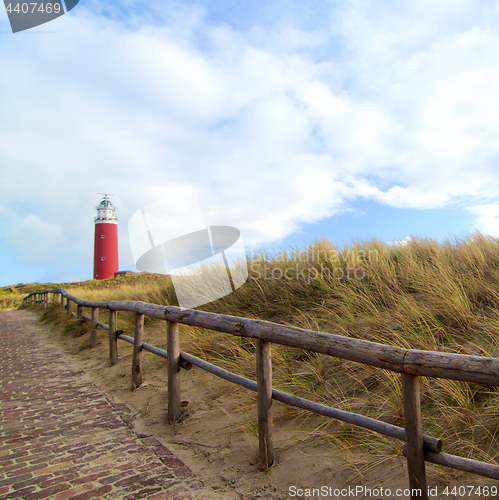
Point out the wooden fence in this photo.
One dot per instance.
(410, 363)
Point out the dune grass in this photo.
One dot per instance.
(424, 295)
(10, 299)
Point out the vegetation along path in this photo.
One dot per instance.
(62, 438)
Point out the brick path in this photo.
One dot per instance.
(61, 438)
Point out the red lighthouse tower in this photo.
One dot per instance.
(106, 241)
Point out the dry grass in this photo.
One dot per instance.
(426, 295)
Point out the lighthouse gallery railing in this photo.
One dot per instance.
(408, 362)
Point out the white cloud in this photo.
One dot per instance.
(487, 221)
(34, 238)
(401, 243)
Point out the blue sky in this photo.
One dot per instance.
(293, 120)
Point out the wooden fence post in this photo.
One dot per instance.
(79, 311)
(62, 301)
(113, 342)
(137, 348)
(264, 397)
(69, 308)
(93, 332)
(414, 437)
(173, 357)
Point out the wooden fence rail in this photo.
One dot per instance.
(410, 363)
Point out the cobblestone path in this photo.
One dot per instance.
(61, 438)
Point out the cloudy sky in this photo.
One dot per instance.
(292, 120)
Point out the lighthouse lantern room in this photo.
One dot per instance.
(106, 240)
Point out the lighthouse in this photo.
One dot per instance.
(106, 240)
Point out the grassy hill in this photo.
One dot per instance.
(425, 295)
